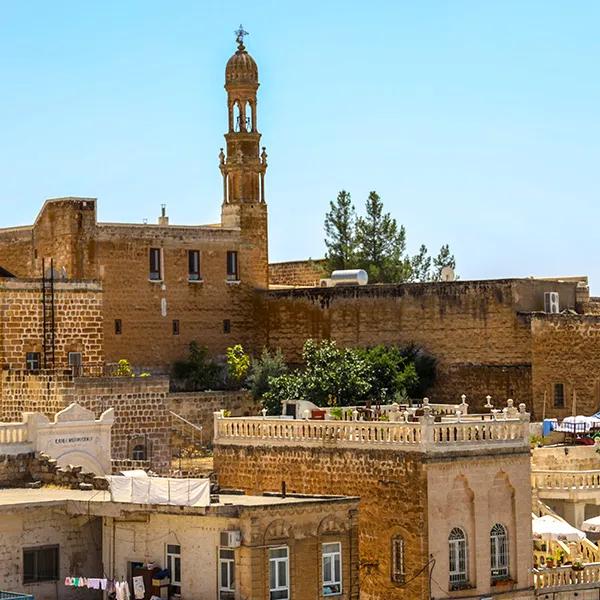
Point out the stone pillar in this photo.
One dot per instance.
(574, 513)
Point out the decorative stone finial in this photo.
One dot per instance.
(221, 157)
(488, 402)
(264, 413)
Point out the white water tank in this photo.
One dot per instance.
(350, 277)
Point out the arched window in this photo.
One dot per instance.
(237, 116)
(398, 574)
(458, 567)
(249, 117)
(499, 551)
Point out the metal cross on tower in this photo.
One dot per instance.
(240, 33)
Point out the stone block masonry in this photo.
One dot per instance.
(141, 414)
(392, 487)
(199, 407)
(297, 272)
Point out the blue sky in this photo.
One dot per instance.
(477, 122)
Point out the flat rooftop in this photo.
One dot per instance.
(99, 503)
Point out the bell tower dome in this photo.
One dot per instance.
(243, 166)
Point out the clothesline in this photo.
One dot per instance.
(119, 588)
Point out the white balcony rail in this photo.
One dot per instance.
(565, 578)
(543, 479)
(13, 433)
(426, 435)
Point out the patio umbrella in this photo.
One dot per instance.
(551, 528)
(592, 525)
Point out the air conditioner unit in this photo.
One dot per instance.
(326, 283)
(230, 539)
(551, 303)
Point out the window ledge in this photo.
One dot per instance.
(195, 280)
(233, 281)
(156, 280)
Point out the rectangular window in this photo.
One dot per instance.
(226, 326)
(559, 395)
(332, 569)
(279, 573)
(118, 327)
(194, 265)
(398, 559)
(33, 360)
(155, 264)
(175, 326)
(76, 363)
(40, 564)
(173, 563)
(232, 266)
(226, 574)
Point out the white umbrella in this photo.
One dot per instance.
(551, 528)
(592, 525)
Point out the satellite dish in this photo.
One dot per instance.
(447, 274)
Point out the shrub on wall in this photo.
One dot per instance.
(198, 371)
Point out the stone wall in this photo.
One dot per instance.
(80, 548)
(477, 381)
(24, 391)
(392, 487)
(298, 272)
(15, 469)
(563, 458)
(78, 322)
(566, 349)
(198, 408)
(141, 414)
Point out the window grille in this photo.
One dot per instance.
(499, 551)
(398, 559)
(457, 542)
(40, 564)
(33, 361)
(173, 560)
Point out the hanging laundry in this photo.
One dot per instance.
(139, 591)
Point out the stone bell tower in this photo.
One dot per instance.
(244, 166)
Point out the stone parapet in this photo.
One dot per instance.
(426, 436)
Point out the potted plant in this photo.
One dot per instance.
(577, 565)
(550, 562)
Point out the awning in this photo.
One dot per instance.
(592, 525)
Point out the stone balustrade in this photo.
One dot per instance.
(565, 480)
(13, 433)
(425, 435)
(564, 578)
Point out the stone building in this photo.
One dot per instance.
(148, 290)
(445, 504)
(239, 548)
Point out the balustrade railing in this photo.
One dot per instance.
(423, 435)
(565, 480)
(567, 576)
(13, 433)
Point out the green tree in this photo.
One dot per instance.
(420, 265)
(238, 363)
(262, 368)
(340, 235)
(381, 244)
(443, 259)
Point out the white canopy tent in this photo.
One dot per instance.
(591, 525)
(550, 528)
